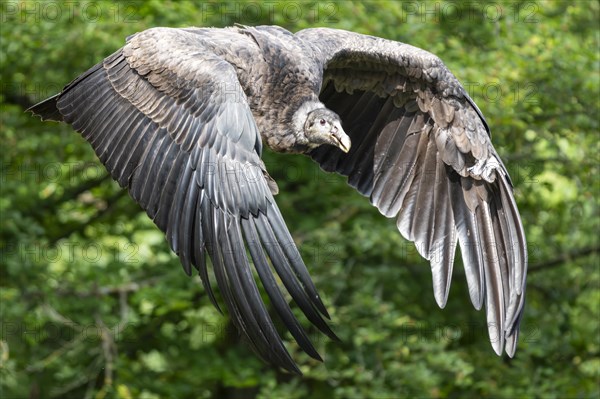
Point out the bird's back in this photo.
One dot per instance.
(276, 70)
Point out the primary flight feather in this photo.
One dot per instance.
(179, 117)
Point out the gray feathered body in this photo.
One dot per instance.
(276, 71)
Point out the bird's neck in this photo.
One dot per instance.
(281, 80)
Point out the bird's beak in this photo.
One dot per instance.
(339, 138)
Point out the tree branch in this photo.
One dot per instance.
(562, 258)
(17, 99)
(72, 193)
(132, 286)
(80, 226)
(109, 351)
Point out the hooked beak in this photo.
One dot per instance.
(339, 138)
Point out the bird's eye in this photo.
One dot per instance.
(322, 122)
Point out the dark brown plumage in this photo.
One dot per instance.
(178, 117)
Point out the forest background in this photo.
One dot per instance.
(94, 305)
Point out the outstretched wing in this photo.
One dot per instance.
(421, 152)
(170, 121)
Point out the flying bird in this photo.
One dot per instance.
(179, 117)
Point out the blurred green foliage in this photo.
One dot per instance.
(94, 305)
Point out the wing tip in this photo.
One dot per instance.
(511, 346)
(47, 110)
(441, 300)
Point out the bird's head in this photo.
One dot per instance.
(324, 126)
